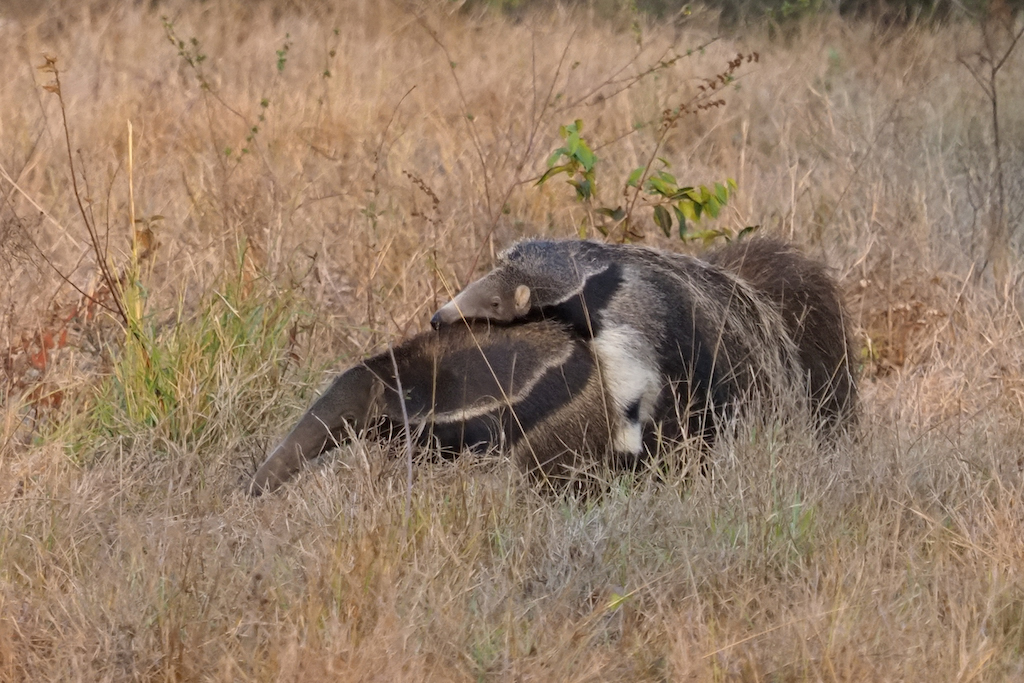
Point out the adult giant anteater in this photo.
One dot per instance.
(755, 325)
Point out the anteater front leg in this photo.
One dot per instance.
(632, 381)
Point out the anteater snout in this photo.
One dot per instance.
(446, 315)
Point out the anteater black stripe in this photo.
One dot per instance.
(585, 312)
(555, 389)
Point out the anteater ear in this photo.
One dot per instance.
(522, 299)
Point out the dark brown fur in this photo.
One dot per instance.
(531, 388)
(809, 300)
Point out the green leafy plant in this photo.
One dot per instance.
(680, 206)
(578, 161)
(282, 54)
(172, 380)
(674, 207)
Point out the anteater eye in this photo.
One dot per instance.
(495, 303)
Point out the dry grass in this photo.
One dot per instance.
(127, 548)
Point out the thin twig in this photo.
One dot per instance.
(660, 65)
(44, 213)
(408, 443)
(384, 135)
(536, 121)
(101, 256)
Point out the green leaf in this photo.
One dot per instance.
(722, 193)
(583, 188)
(713, 207)
(616, 601)
(572, 144)
(731, 183)
(555, 156)
(564, 168)
(634, 177)
(656, 185)
(667, 177)
(616, 214)
(663, 219)
(680, 193)
(707, 236)
(686, 208)
(586, 156)
(749, 230)
(681, 219)
(572, 139)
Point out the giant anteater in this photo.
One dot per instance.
(673, 355)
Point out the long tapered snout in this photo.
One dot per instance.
(466, 305)
(445, 315)
(350, 399)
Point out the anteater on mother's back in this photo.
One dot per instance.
(754, 317)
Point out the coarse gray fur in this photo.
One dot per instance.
(530, 388)
(675, 336)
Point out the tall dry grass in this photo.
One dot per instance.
(127, 547)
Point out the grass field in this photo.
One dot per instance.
(309, 182)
